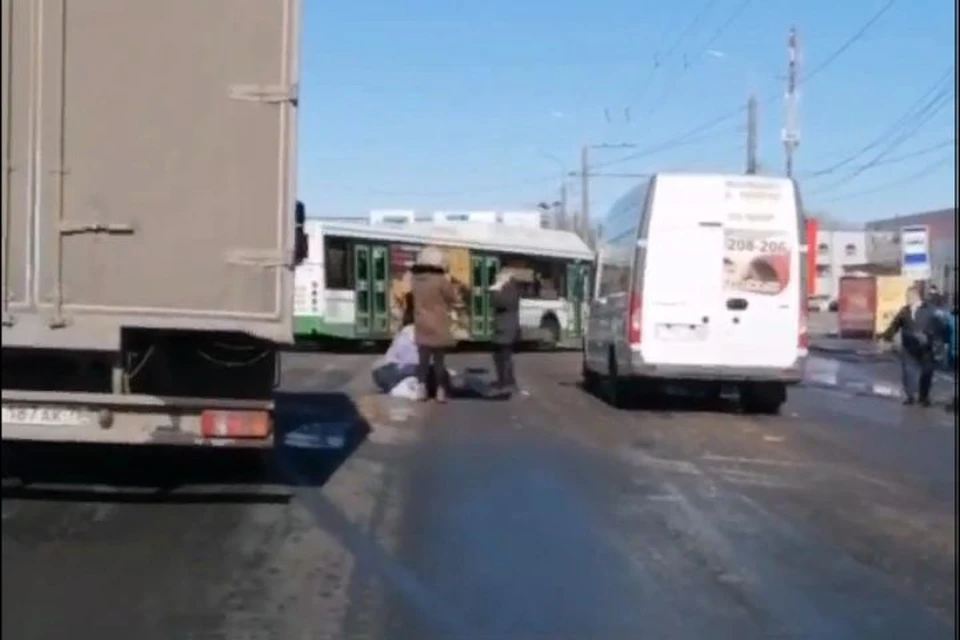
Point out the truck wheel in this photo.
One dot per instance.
(762, 398)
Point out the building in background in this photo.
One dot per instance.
(884, 244)
(836, 251)
(813, 229)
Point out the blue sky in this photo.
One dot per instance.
(430, 104)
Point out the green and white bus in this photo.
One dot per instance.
(352, 282)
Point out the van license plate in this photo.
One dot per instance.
(681, 333)
(45, 416)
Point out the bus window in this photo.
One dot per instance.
(379, 266)
(492, 269)
(336, 261)
(363, 273)
(477, 274)
(547, 279)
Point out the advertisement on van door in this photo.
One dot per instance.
(756, 261)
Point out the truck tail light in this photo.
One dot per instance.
(222, 423)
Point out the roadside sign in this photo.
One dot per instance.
(915, 252)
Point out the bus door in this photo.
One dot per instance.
(371, 275)
(483, 273)
(578, 295)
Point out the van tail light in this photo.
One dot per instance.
(803, 337)
(636, 319)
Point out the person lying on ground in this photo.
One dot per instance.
(401, 360)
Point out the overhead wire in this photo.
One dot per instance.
(682, 138)
(823, 65)
(924, 172)
(884, 136)
(900, 159)
(818, 69)
(660, 60)
(858, 34)
(922, 117)
(717, 34)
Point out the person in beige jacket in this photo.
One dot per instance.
(434, 298)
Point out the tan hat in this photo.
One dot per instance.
(431, 257)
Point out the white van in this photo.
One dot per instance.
(701, 280)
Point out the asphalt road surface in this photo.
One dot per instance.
(548, 515)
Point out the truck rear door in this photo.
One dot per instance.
(164, 159)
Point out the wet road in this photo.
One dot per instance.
(549, 515)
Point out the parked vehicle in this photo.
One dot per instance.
(701, 281)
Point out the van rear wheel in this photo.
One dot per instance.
(588, 377)
(616, 390)
(762, 398)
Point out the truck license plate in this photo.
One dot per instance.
(45, 416)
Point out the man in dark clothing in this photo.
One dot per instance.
(920, 332)
(505, 300)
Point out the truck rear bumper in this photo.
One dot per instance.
(132, 419)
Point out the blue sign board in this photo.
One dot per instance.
(915, 252)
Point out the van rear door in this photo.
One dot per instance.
(762, 276)
(682, 283)
(722, 278)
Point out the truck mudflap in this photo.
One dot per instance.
(113, 419)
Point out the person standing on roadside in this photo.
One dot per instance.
(920, 331)
(434, 298)
(505, 300)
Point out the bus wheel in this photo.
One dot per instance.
(549, 331)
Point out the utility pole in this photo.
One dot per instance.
(791, 133)
(584, 191)
(752, 135)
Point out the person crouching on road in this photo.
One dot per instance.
(401, 360)
(920, 331)
(505, 300)
(434, 298)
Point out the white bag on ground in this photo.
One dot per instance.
(406, 388)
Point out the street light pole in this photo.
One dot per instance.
(563, 198)
(585, 181)
(563, 181)
(584, 220)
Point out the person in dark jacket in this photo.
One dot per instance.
(434, 299)
(920, 333)
(505, 301)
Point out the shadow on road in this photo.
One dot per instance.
(665, 402)
(349, 346)
(315, 433)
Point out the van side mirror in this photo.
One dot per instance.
(300, 234)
